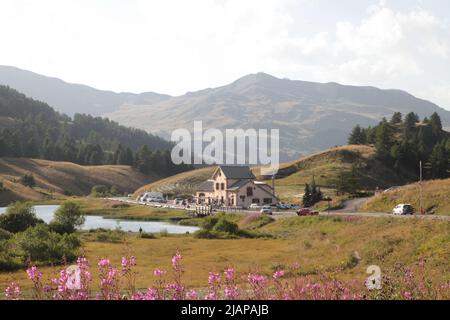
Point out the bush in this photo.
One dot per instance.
(220, 227)
(99, 191)
(5, 235)
(111, 236)
(226, 226)
(115, 191)
(28, 180)
(67, 218)
(41, 245)
(146, 235)
(7, 260)
(2, 187)
(18, 217)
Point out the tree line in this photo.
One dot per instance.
(403, 141)
(32, 129)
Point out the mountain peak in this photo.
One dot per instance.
(256, 77)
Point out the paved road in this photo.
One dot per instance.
(278, 215)
(349, 210)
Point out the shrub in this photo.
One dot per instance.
(8, 262)
(5, 235)
(115, 191)
(67, 218)
(99, 191)
(28, 180)
(220, 227)
(111, 236)
(44, 246)
(2, 187)
(146, 235)
(223, 225)
(18, 217)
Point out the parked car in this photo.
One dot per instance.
(306, 212)
(266, 210)
(403, 209)
(255, 206)
(282, 206)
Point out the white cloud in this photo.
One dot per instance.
(388, 49)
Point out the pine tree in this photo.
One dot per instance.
(439, 160)
(357, 136)
(383, 142)
(396, 118)
(307, 197)
(436, 125)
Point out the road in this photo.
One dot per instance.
(278, 215)
(349, 209)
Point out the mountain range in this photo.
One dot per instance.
(310, 116)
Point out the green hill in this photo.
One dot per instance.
(32, 129)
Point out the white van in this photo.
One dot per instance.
(403, 209)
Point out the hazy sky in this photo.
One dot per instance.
(171, 46)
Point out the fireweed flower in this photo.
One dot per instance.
(229, 273)
(128, 262)
(258, 284)
(231, 291)
(34, 274)
(13, 291)
(159, 273)
(278, 275)
(192, 294)
(104, 263)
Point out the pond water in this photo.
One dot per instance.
(93, 222)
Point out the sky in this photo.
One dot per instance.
(177, 46)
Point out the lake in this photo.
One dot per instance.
(93, 222)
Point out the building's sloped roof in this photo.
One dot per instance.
(238, 184)
(207, 186)
(237, 172)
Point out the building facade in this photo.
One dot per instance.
(234, 186)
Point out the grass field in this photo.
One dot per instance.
(54, 179)
(312, 243)
(435, 197)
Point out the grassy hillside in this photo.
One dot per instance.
(182, 183)
(436, 197)
(292, 176)
(56, 178)
(325, 167)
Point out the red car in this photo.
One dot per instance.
(307, 212)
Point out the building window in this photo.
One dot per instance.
(267, 200)
(222, 186)
(249, 191)
(242, 198)
(255, 200)
(217, 186)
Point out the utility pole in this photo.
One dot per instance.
(420, 188)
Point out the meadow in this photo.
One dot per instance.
(303, 247)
